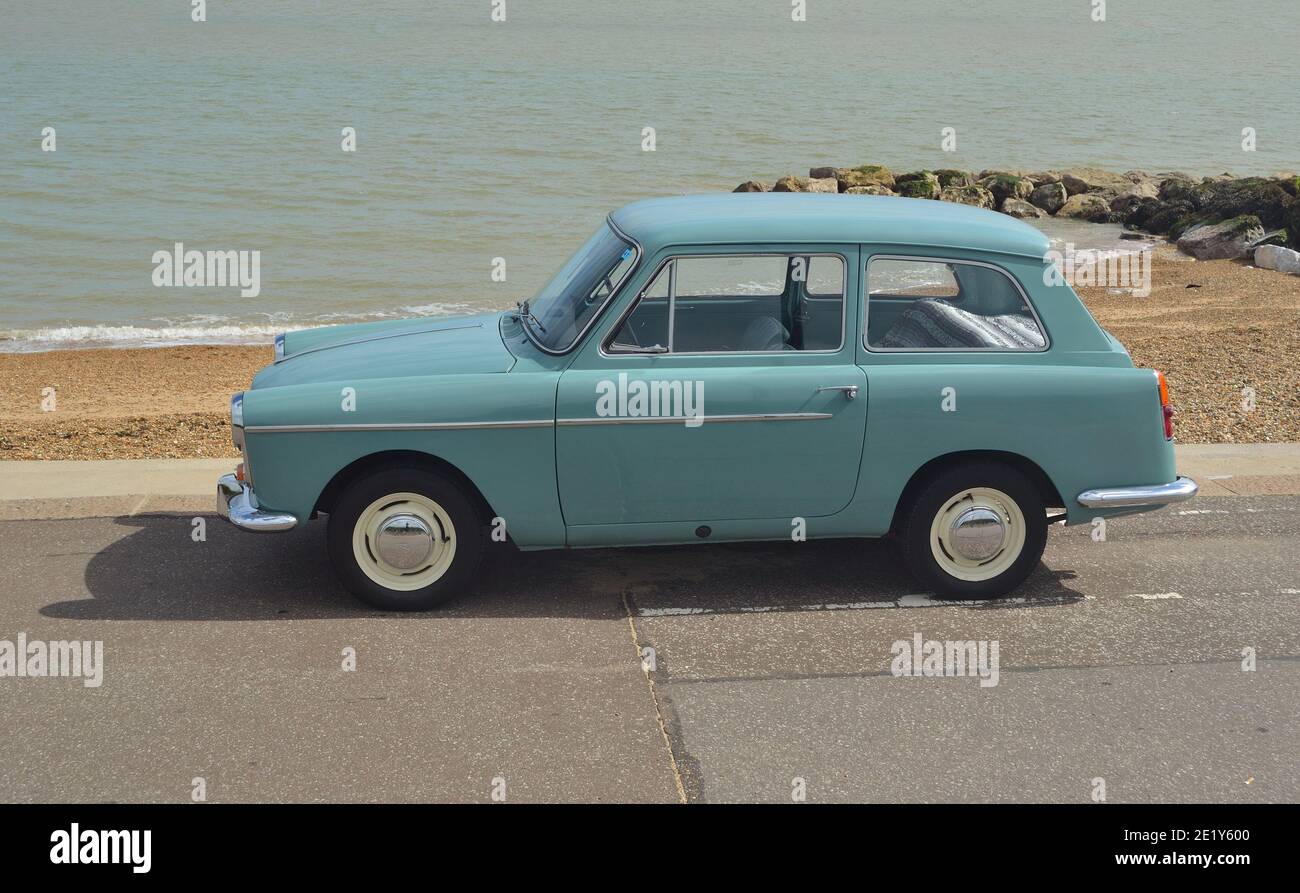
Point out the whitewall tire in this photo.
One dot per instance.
(405, 539)
(974, 531)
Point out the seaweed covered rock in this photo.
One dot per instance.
(921, 184)
(968, 195)
(806, 184)
(1091, 207)
(1265, 199)
(1080, 180)
(1016, 207)
(1178, 189)
(869, 189)
(864, 175)
(1125, 203)
(1169, 203)
(1227, 239)
(1005, 185)
(950, 177)
(1162, 219)
(1050, 197)
(1188, 221)
(1139, 214)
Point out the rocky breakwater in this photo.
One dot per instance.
(1207, 217)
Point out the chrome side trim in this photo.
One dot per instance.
(398, 426)
(1155, 494)
(238, 505)
(681, 419)
(303, 353)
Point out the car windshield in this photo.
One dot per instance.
(562, 308)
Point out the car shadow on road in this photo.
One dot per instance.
(158, 572)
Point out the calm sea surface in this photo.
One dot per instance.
(478, 139)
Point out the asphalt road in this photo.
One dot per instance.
(1120, 660)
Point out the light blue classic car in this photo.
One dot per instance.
(711, 369)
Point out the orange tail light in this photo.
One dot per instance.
(1166, 408)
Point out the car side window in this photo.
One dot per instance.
(646, 327)
(917, 304)
(738, 303)
(818, 315)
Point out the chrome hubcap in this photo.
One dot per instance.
(977, 534)
(404, 542)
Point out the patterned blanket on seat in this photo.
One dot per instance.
(931, 323)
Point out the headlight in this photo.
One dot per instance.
(279, 346)
(237, 419)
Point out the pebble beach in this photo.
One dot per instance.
(1214, 327)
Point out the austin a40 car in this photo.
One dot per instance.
(719, 368)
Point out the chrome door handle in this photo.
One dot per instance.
(850, 390)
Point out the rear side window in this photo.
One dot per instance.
(912, 279)
(919, 304)
(825, 277)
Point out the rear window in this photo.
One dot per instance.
(920, 304)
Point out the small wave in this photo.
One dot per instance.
(62, 337)
(205, 330)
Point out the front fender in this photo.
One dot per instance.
(496, 428)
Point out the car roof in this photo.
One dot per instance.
(756, 217)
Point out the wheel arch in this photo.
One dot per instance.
(939, 464)
(401, 459)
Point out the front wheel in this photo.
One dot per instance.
(405, 539)
(975, 531)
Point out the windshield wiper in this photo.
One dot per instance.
(523, 314)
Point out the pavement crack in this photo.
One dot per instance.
(654, 698)
(1004, 671)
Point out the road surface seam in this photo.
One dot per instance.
(654, 699)
(1003, 671)
(923, 600)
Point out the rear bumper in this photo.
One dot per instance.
(1154, 495)
(237, 503)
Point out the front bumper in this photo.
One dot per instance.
(1153, 495)
(237, 503)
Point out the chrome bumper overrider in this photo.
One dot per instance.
(237, 504)
(1156, 494)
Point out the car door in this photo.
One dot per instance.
(725, 389)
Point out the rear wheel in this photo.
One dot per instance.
(974, 531)
(405, 539)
